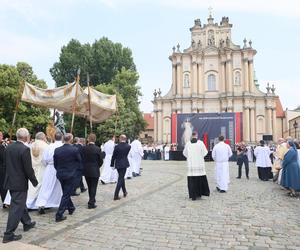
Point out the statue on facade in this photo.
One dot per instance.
(199, 44)
(193, 44)
(227, 42)
(60, 123)
(211, 38)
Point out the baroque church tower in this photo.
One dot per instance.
(216, 75)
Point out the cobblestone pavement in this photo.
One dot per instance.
(157, 214)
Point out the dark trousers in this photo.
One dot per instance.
(243, 160)
(67, 186)
(17, 212)
(3, 191)
(81, 185)
(121, 181)
(78, 182)
(92, 183)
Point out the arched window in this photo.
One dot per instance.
(211, 82)
(186, 81)
(260, 125)
(237, 78)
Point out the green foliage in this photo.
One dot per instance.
(102, 60)
(112, 71)
(32, 117)
(128, 119)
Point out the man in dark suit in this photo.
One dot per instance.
(67, 161)
(120, 161)
(79, 184)
(3, 191)
(92, 161)
(17, 161)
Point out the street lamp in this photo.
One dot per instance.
(295, 125)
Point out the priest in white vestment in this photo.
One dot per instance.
(263, 161)
(136, 157)
(37, 150)
(167, 152)
(128, 174)
(50, 193)
(195, 151)
(108, 174)
(221, 154)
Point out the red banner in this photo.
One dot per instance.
(174, 128)
(237, 127)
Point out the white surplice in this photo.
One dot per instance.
(129, 170)
(37, 150)
(108, 174)
(221, 154)
(136, 156)
(167, 153)
(50, 193)
(262, 154)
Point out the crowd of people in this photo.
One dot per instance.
(279, 162)
(36, 174)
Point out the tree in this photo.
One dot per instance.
(112, 71)
(128, 119)
(33, 118)
(102, 60)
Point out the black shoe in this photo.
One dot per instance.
(41, 210)
(222, 191)
(134, 174)
(92, 206)
(128, 178)
(218, 189)
(102, 182)
(75, 194)
(27, 227)
(238, 177)
(125, 194)
(247, 177)
(71, 211)
(83, 190)
(117, 198)
(193, 199)
(59, 219)
(14, 237)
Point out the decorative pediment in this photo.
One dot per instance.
(211, 50)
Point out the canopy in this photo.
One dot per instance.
(62, 98)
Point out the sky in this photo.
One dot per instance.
(34, 31)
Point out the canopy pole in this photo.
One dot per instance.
(75, 99)
(90, 107)
(117, 117)
(20, 91)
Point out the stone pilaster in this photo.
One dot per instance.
(246, 76)
(246, 124)
(179, 79)
(174, 82)
(195, 78)
(251, 77)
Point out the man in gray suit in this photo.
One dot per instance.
(17, 161)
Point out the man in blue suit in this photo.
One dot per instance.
(67, 161)
(120, 161)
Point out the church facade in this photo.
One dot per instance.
(216, 75)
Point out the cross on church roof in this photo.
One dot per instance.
(210, 10)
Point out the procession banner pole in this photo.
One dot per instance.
(75, 99)
(89, 98)
(20, 92)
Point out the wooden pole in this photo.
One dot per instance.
(20, 92)
(89, 98)
(75, 99)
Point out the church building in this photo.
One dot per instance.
(214, 75)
